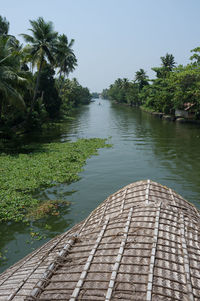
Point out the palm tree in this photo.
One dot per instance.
(168, 61)
(4, 29)
(118, 82)
(141, 78)
(9, 76)
(196, 56)
(168, 64)
(125, 83)
(41, 42)
(4, 26)
(65, 57)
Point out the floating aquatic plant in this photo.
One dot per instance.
(23, 173)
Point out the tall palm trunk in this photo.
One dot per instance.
(62, 81)
(36, 87)
(60, 84)
(1, 105)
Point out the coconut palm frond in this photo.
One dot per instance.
(27, 38)
(13, 96)
(10, 74)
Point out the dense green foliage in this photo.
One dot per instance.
(73, 94)
(4, 26)
(34, 84)
(23, 173)
(173, 88)
(95, 95)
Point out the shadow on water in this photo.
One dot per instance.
(34, 141)
(31, 142)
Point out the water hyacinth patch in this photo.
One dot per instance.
(23, 173)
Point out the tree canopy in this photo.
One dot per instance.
(172, 89)
(4, 26)
(30, 91)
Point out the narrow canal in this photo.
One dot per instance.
(144, 147)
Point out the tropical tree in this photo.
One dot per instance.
(125, 83)
(118, 90)
(186, 87)
(9, 76)
(196, 56)
(4, 26)
(50, 100)
(42, 43)
(4, 29)
(168, 61)
(132, 94)
(73, 95)
(141, 78)
(167, 66)
(65, 57)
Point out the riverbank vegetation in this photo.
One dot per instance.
(174, 89)
(35, 92)
(34, 83)
(39, 167)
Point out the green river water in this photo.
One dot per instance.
(144, 147)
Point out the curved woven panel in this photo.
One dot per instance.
(141, 243)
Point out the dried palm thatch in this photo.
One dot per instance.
(141, 243)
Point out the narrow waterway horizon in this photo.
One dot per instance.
(143, 147)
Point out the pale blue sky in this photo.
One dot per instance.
(114, 38)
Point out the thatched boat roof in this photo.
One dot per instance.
(141, 243)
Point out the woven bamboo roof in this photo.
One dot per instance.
(142, 243)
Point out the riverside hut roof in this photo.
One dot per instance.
(142, 243)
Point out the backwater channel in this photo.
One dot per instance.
(144, 147)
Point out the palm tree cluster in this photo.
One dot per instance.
(27, 73)
(173, 88)
(125, 91)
